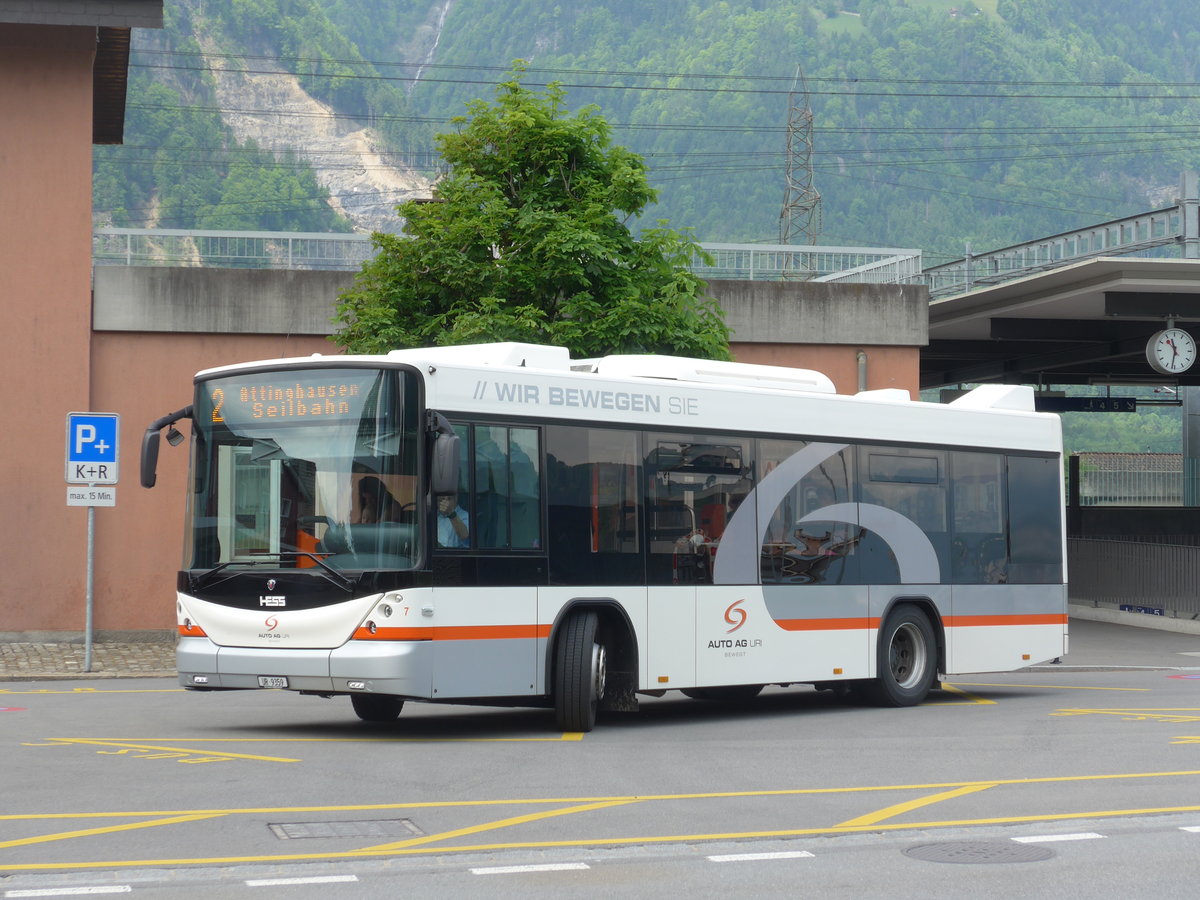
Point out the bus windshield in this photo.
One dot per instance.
(300, 469)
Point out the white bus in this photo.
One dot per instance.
(501, 524)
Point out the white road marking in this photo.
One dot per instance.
(71, 892)
(1047, 838)
(1192, 828)
(752, 857)
(514, 870)
(315, 879)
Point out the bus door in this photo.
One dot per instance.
(693, 484)
(488, 561)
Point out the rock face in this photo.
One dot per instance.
(277, 113)
(350, 160)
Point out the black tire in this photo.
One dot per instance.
(906, 659)
(376, 707)
(580, 672)
(735, 693)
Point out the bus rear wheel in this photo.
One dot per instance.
(580, 673)
(376, 707)
(907, 659)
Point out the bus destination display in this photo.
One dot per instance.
(246, 402)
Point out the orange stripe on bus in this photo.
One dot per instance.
(1018, 619)
(394, 634)
(455, 633)
(857, 622)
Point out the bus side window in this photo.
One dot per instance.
(980, 547)
(692, 483)
(799, 545)
(1034, 520)
(490, 524)
(593, 506)
(506, 492)
(526, 488)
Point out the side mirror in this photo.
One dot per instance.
(150, 458)
(150, 443)
(443, 475)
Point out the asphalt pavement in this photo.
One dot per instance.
(1094, 645)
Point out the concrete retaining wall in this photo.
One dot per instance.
(289, 301)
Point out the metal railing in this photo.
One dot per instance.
(1126, 487)
(229, 249)
(1173, 231)
(285, 250)
(904, 268)
(1136, 574)
(1122, 237)
(1157, 480)
(784, 262)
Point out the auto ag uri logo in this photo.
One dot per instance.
(735, 615)
(271, 633)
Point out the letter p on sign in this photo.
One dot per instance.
(92, 448)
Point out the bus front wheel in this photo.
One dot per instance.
(580, 672)
(376, 707)
(907, 659)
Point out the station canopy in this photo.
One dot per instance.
(1084, 323)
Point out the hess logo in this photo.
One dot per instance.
(736, 616)
(269, 599)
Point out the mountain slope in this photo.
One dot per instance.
(934, 123)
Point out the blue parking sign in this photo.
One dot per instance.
(93, 447)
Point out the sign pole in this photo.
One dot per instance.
(91, 568)
(93, 459)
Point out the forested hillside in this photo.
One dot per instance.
(935, 123)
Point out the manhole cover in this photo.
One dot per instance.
(979, 852)
(369, 829)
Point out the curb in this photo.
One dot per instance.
(1134, 619)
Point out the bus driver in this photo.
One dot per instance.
(452, 522)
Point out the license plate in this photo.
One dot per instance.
(272, 681)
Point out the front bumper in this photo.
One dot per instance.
(400, 668)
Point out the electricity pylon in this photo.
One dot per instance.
(800, 218)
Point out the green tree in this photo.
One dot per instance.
(527, 240)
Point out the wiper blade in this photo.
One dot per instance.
(205, 577)
(346, 584)
(266, 557)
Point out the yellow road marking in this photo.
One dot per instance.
(1167, 714)
(93, 742)
(595, 842)
(565, 736)
(527, 801)
(870, 822)
(88, 690)
(493, 826)
(141, 742)
(88, 832)
(1063, 687)
(970, 701)
(889, 812)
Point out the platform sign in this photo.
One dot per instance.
(1086, 404)
(92, 448)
